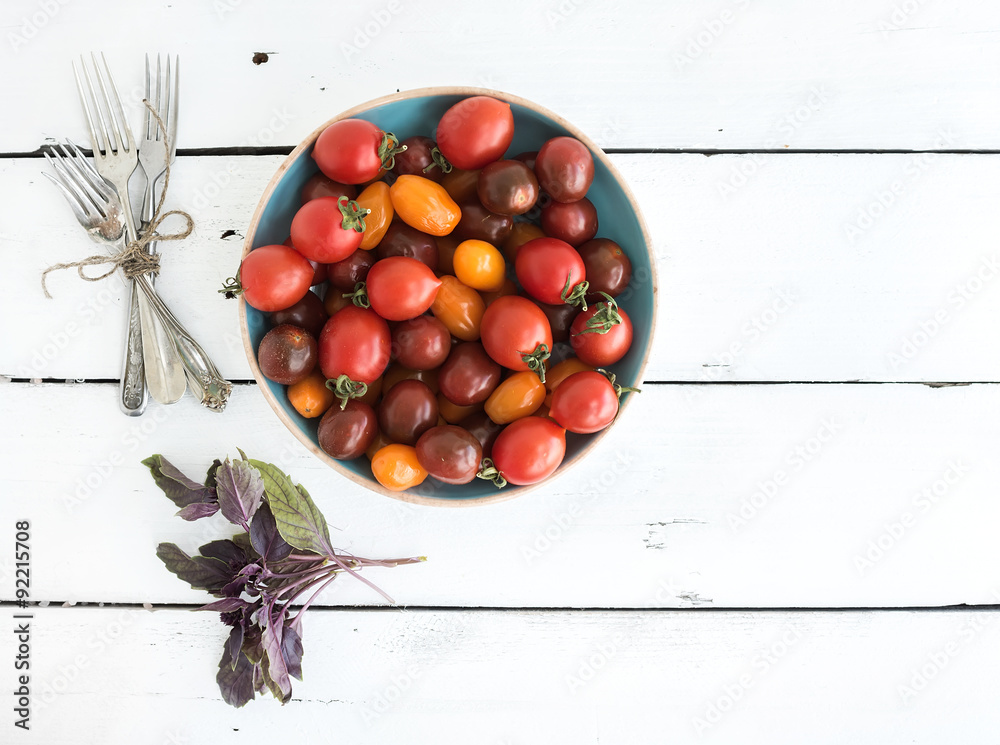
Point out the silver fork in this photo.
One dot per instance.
(160, 370)
(98, 209)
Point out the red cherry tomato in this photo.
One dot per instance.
(475, 131)
(422, 343)
(274, 277)
(353, 151)
(573, 222)
(328, 229)
(450, 454)
(602, 334)
(565, 168)
(468, 376)
(354, 342)
(584, 402)
(516, 334)
(320, 185)
(550, 270)
(400, 288)
(320, 273)
(529, 450)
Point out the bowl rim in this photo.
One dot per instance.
(502, 495)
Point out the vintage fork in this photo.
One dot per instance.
(98, 209)
(151, 361)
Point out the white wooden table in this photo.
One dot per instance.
(802, 547)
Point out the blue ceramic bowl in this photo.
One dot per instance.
(417, 113)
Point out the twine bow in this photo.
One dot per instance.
(134, 260)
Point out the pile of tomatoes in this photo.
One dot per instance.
(462, 310)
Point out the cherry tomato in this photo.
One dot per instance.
(421, 158)
(321, 185)
(459, 308)
(446, 245)
(396, 373)
(518, 396)
(565, 168)
(520, 233)
(310, 396)
(287, 354)
(584, 402)
(425, 205)
(421, 343)
(450, 454)
(402, 240)
(507, 187)
(346, 433)
(468, 376)
(562, 370)
(484, 429)
(507, 288)
(378, 443)
(375, 198)
(608, 268)
(475, 131)
(346, 273)
(274, 277)
(601, 335)
(353, 151)
(529, 450)
(400, 288)
(307, 314)
(528, 158)
(560, 317)
(550, 270)
(516, 334)
(478, 223)
(355, 342)
(335, 300)
(479, 265)
(408, 409)
(573, 222)
(453, 413)
(328, 229)
(319, 270)
(461, 185)
(397, 468)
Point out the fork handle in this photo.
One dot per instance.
(132, 392)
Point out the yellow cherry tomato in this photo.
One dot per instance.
(480, 265)
(424, 204)
(453, 413)
(396, 467)
(521, 233)
(518, 396)
(377, 201)
(459, 308)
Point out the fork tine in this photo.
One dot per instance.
(173, 86)
(87, 99)
(118, 103)
(86, 170)
(162, 97)
(70, 197)
(70, 169)
(116, 128)
(147, 120)
(70, 186)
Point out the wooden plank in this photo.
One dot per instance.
(771, 268)
(688, 74)
(589, 677)
(729, 496)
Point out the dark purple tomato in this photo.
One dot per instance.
(608, 268)
(324, 186)
(560, 318)
(527, 158)
(420, 159)
(308, 314)
(346, 433)
(346, 273)
(573, 222)
(421, 343)
(450, 454)
(408, 409)
(319, 270)
(469, 375)
(402, 240)
(508, 187)
(565, 169)
(287, 354)
(484, 429)
(478, 223)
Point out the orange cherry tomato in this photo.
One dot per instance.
(518, 396)
(453, 413)
(396, 467)
(310, 396)
(521, 233)
(480, 265)
(508, 288)
(377, 201)
(461, 185)
(562, 370)
(459, 308)
(424, 204)
(378, 443)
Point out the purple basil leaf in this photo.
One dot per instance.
(243, 541)
(198, 510)
(240, 490)
(276, 669)
(210, 476)
(265, 538)
(234, 645)
(298, 518)
(235, 678)
(291, 649)
(225, 605)
(181, 490)
(200, 573)
(226, 551)
(252, 646)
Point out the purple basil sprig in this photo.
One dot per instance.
(283, 553)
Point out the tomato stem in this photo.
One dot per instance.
(359, 296)
(353, 216)
(605, 319)
(232, 287)
(345, 389)
(535, 360)
(439, 161)
(619, 389)
(577, 295)
(389, 149)
(489, 472)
